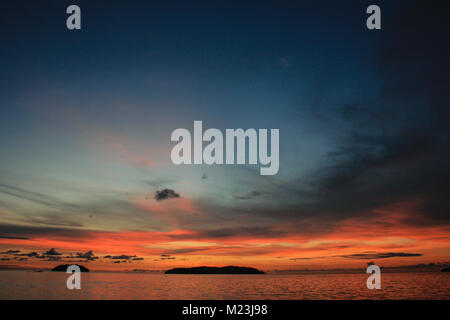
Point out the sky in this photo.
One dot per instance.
(87, 115)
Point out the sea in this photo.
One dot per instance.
(158, 286)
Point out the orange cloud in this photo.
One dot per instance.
(384, 232)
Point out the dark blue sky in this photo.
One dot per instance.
(230, 64)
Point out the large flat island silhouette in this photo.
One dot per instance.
(215, 270)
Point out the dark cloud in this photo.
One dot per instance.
(365, 256)
(185, 250)
(53, 258)
(60, 214)
(166, 256)
(12, 237)
(123, 257)
(89, 255)
(10, 252)
(165, 194)
(370, 256)
(31, 254)
(388, 147)
(11, 231)
(408, 126)
(296, 259)
(27, 195)
(249, 196)
(53, 255)
(232, 232)
(38, 198)
(52, 252)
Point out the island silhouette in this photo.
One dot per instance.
(63, 268)
(215, 270)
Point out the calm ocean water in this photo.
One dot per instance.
(52, 285)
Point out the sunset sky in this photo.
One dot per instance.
(87, 115)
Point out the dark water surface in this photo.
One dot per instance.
(97, 285)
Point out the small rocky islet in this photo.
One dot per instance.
(63, 268)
